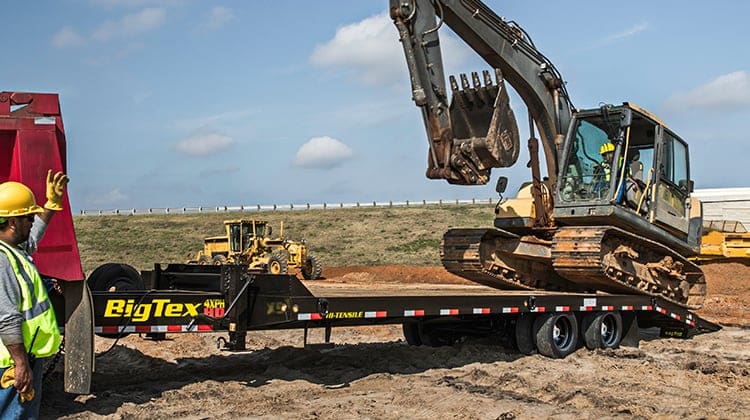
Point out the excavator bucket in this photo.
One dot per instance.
(484, 126)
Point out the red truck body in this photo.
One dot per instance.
(32, 141)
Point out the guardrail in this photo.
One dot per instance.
(279, 207)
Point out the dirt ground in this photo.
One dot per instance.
(372, 373)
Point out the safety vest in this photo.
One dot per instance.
(38, 315)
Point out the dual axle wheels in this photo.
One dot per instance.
(559, 334)
(554, 335)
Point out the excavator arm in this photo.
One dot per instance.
(477, 131)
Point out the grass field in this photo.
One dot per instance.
(339, 237)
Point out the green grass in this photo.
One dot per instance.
(339, 237)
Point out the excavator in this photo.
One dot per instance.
(614, 211)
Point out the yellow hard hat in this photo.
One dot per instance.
(606, 147)
(17, 199)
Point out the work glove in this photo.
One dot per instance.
(9, 379)
(55, 189)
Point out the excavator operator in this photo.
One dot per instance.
(28, 329)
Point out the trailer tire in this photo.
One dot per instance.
(112, 277)
(525, 333)
(556, 334)
(602, 330)
(411, 333)
(433, 337)
(278, 263)
(312, 269)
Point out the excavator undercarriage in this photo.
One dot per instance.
(576, 259)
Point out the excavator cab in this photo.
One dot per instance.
(622, 166)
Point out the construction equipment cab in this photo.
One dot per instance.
(623, 166)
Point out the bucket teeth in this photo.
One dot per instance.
(475, 80)
(464, 81)
(487, 78)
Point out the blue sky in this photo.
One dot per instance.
(173, 103)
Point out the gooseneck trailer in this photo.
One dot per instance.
(179, 298)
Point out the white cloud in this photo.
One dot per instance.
(204, 144)
(195, 123)
(638, 28)
(218, 16)
(726, 92)
(107, 199)
(112, 4)
(322, 153)
(67, 37)
(130, 25)
(371, 50)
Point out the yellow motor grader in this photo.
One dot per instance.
(250, 242)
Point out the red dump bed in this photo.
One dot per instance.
(32, 140)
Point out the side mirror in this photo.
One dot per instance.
(502, 184)
(687, 185)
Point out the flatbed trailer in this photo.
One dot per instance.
(180, 298)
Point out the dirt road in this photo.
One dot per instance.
(372, 373)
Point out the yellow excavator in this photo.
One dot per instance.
(612, 213)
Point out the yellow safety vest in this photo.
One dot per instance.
(36, 309)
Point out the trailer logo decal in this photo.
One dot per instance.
(144, 311)
(214, 308)
(345, 315)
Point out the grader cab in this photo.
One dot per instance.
(250, 242)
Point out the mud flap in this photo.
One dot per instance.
(79, 337)
(630, 337)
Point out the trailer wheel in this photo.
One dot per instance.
(112, 277)
(525, 333)
(556, 334)
(312, 269)
(602, 330)
(411, 333)
(278, 263)
(435, 337)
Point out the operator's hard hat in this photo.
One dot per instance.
(17, 199)
(606, 147)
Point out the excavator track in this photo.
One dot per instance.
(501, 260)
(612, 260)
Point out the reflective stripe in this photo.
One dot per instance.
(37, 308)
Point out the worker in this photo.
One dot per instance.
(28, 329)
(607, 150)
(603, 171)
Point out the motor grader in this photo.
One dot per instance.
(250, 242)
